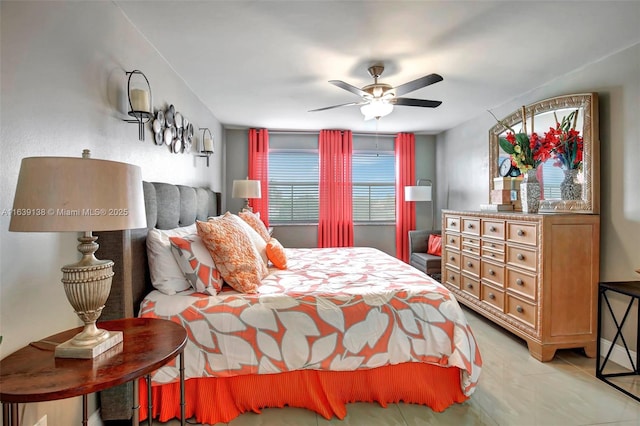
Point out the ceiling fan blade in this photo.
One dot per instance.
(417, 102)
(417, 84)
(337, 106)
(348, 87)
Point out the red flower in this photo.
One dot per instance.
(566, 145)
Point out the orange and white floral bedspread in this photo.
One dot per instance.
(332, 309)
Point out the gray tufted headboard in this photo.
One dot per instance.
(167, 206)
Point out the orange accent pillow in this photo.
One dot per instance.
(276, 254)
(233, 253)
(435, 245)
(254, 221)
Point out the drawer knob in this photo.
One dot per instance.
(452, 277)
(469, 285)
(492, 229)
(519, 282)
(492, 296)
(493, 255)
(491, 272)
(520, 256)
(519, 309)
(453, 223)
(470, 265)
(452, 258)
(452, 241)
(520, 232)
(470, 226)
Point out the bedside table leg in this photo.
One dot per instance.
(182, 398)
(85, 410)
(149, 401)
(10, 414)
(135, 410)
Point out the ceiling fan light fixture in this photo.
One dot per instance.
(376, 108)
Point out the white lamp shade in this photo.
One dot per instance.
(417, 193)
(57, 194)
(246, 189)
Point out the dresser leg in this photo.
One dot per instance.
(591, 349)
(543, 353)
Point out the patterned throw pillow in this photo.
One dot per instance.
(234, 254)
(276, 254)
(255, 222)
(166, 275)
(196, 264)
(258, 242)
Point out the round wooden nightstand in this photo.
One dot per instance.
(33, 374)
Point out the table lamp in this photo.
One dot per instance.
(420, 193)
(246, 189)
(64, 194)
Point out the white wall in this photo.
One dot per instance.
(63, 70)
(464, 182)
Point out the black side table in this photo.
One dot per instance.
(631, 289)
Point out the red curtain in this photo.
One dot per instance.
(335, 224)
(259, 170)
(405, 144)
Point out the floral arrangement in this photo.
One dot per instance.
(527, 152)
(565, 143)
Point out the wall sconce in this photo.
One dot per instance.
(246, 189)
(420, 193)
(139, 96)
(206, 147)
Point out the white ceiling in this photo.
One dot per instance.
(266, 63)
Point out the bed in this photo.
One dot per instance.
(337, 325)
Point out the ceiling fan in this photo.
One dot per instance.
(378, 99)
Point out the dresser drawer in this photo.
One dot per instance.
(497, 256)
(471, 265)
(522, 283)
(493, 296)
(471, 225)
(470, 285)
(451, 258)
(524, 233)
(452, 241)
(524, 311)
(493, 229)
(471, 245)
(452, 223)
(522, 257)
(452, 277)
(493, 273)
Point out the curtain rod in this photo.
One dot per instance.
(316, 132)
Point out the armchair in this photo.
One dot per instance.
(418, 257)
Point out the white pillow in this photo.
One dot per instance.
(259, 243)
(166, 275)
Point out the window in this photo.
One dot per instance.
(294, 172)
(374, 192)
(553, 176)
(293, 186)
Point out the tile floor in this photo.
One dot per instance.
(514, 389)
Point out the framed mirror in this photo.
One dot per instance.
(579, 112)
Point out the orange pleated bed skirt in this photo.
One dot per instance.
(214, 400)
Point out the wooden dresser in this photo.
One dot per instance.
(536, 275)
